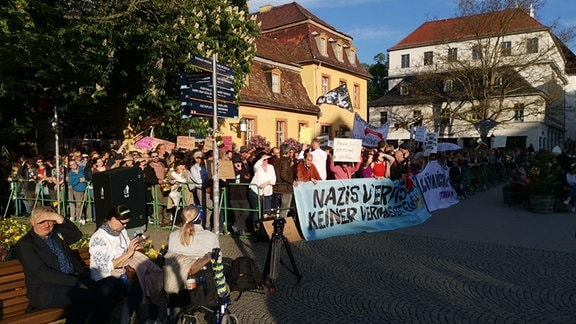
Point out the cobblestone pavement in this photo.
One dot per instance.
(477, 262)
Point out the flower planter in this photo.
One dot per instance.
(542, 204)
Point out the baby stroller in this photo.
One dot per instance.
(210, 296)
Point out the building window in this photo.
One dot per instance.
(351, 53)
(532, 45)
(326, 130)
(445, 117)
(325, 84)
(323, 47)
(275, 82)
(428, 58)
(448, 85)
(519, 112)
(404, 90)
(476, 52)
(250, 129)
(452, 54)
(405, 60)
(383, 117)
(339, 52)
(356, 99)
(280, 132)
(498, 81)
(417, 115)
(506, 48)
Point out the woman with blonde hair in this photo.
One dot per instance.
(191, 239)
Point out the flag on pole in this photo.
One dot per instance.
(484, 126)
(338, 96)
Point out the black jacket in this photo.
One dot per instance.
(41, 267)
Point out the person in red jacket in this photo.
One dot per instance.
(306, 170)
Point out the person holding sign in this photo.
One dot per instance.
(343, 170)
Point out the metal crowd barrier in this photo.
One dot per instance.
(476, 178)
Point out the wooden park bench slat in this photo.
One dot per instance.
(13, 299)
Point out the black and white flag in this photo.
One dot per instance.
(338, 96)
(484, 126)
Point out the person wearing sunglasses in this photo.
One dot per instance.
(115, 261)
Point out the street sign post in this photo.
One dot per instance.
(211, 94)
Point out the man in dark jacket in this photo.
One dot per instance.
(55, 277)
(284, 186)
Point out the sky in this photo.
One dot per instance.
(377, 25)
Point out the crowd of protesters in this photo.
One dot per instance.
(262, 186)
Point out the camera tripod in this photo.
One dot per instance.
(273, 259)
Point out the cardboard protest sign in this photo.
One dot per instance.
(347, 150)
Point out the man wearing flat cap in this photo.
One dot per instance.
(55, 277)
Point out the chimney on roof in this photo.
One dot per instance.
(265, 8)
(532, 14)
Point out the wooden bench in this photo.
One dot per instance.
(13, 299)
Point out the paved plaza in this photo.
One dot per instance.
(479, 261)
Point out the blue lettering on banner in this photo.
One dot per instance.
(340, 207)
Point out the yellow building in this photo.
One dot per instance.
(299, 58)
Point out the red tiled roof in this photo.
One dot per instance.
(509, 21)
(287, 14)
(292, 97)
(297, 39)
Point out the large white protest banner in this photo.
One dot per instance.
(434, 182)
(341, 207)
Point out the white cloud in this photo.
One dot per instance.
(370, 33)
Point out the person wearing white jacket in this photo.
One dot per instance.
(261, 187)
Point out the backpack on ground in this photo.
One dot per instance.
(244, 275)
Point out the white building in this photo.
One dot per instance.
(502, 66)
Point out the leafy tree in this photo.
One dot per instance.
(378, 86)
(113, 62)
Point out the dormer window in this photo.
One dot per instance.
(350, 54)
(275, 81)
(404, 91)
(321, 43)
(337, 47)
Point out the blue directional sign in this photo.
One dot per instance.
(205, 64)
(196, 107)
(196, 90)
(200, 87)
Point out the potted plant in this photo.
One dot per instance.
(543, 175)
